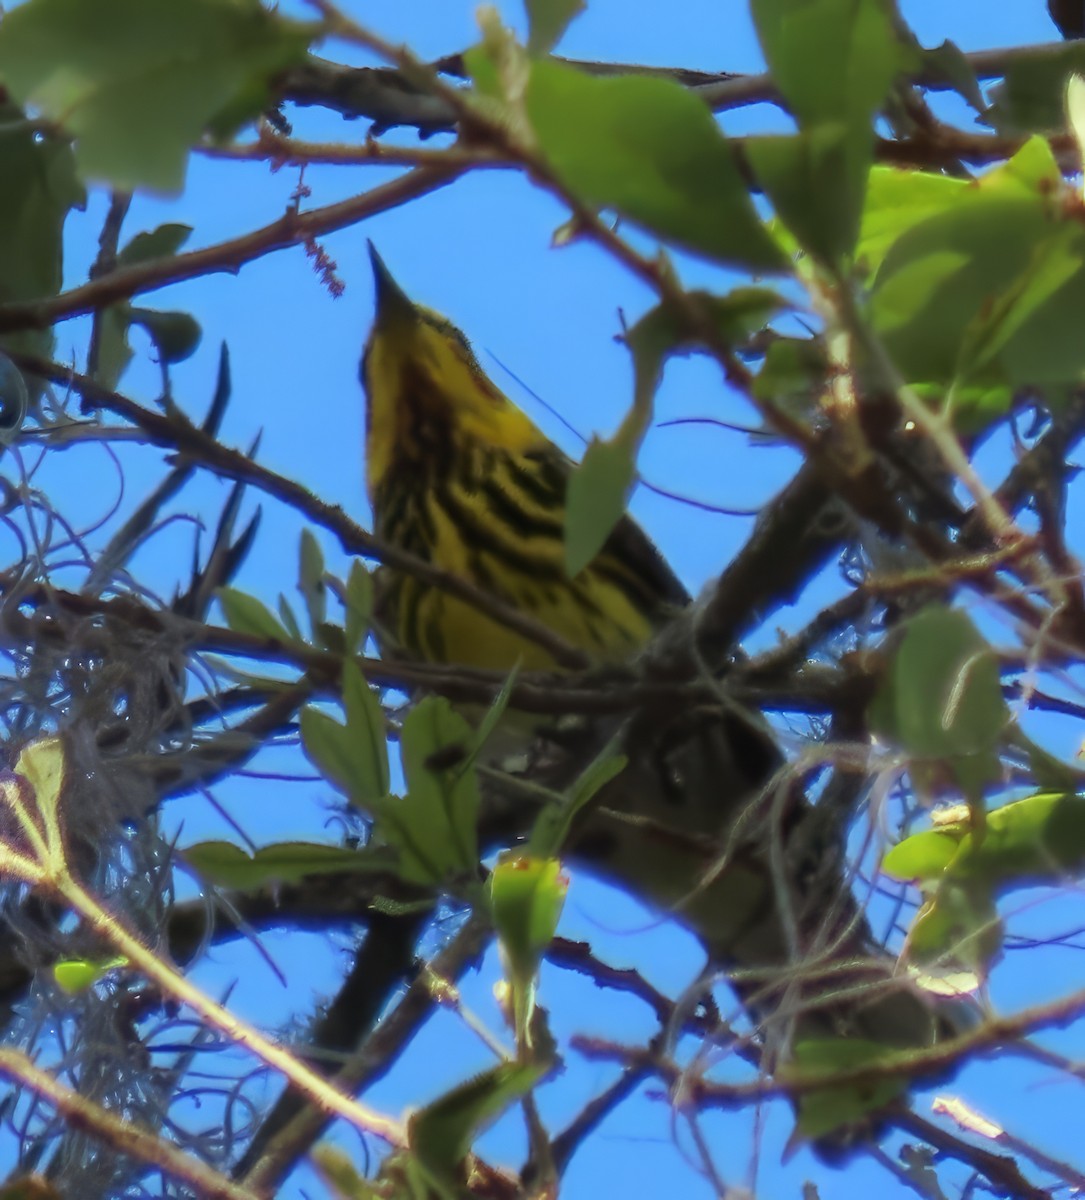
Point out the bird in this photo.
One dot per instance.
(460, 476)
(706, 815)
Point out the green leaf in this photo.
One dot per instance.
(1039, 839)
(1022, 325)
(136, 83)
(433, 827)
(949, 62)
(366, 726)
(897, 201)
(162, 242)
(825, 1109)
(597, 495)
(247, 614)
(552, 825)
(441, 1134)
(228, 866)
(311, 580)
(816, 181)
(527, 895)
(957, 931)
(359, 606)
(985, 281)
(651, 151)
(75, 975)
(547, 22)
(1031, 96)
(339, 1174)
(923, 855)
(353, 756)
(942, 697)
(833, 60)
(963, 869)
(175, 334)
(290, 622)
(793, 374)
(114, 353)
(39, 191)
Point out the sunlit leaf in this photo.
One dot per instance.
(247, 614)
(136, 104)
(230, 866)
(40, 189)
(441, 1134)
(651, 151)
(75, 975)
(548, 20)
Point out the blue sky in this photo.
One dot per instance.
(480, 252)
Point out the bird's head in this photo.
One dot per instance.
(426, 393)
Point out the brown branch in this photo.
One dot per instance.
(125, 1136)
(592, 1115)
(291, 229)
(174, 431)
(391, 97)
(1000, 1169)
(373, 1058)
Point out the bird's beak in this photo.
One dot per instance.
(394, 306)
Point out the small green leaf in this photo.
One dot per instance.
(1040, 839)
(441, 1134)
(942, 697)
(136, 104)
(75, 975)
(651, 151)
(311, 580)
(949, 62)
(353, 756)
(957, 930)
(527, 895)
(816, 181)
(228, 866)
(793, 374)
(175, 334)
(526, 898)
(44, 766)
(39, 190)
(366, 726)
(289, 620)
(433, 827)
(923, 855)
(114, 353)
(833, 60)
(1032, 94)
(161, 242)
(825, 1109)
(339, 1174)
(598, 491)
(247, 614)
(985, 281)
(551, 828)
(359, 605)
(547, 22)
